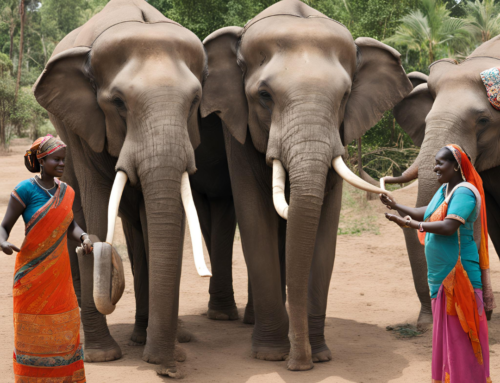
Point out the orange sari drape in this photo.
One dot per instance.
(46, 313)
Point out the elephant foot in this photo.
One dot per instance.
(489, 314)
(231, 314)
(171, 372)
(270, 353)
(183, 335)
(299, 364)
(138, 337)
(95, 355)
(300, 358)
(180, 354)
(322, 356)
(249, 317)
(424, 321)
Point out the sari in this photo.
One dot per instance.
(46, 312)
(458, 274)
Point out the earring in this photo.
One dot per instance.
(456, 170)
(41, 171)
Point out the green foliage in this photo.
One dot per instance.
(5, 65)
(427, 30)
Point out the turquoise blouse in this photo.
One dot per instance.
(31, 196)
(441, 251)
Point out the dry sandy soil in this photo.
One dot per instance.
(371, 288)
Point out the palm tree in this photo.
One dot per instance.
(427, 29)
(483, 19)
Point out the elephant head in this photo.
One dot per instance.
(129, 82)
(451, 106)
(297, 85)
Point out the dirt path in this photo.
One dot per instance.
(371, 288)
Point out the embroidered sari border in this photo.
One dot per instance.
(23, 271)
(16, 196)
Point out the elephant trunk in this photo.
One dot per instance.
(307, 189)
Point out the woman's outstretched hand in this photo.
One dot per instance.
(387, 201)
(8, 248)
(397, 219)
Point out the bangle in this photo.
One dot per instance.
(81, 236)
(420, 227)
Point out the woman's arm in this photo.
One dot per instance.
(446, 227)
(75, 233)
(414, 212)
(14, 211)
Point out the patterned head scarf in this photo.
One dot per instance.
(491, 81)
(41, 148)
(470, 175)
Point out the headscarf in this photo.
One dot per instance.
(471, 175)
(41, 148)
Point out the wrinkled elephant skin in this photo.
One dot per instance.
(123, 91)
(293, 86)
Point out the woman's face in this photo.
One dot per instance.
(53, 164)
(444, 168)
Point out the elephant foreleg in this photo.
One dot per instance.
(418, 265)
(137, 254)
(99, 344)
(321, 272)
(223, 226)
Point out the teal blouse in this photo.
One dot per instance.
(441, 251)
(31, 196)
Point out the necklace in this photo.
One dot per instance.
(45, 189)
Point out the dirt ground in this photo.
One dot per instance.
(371, 288)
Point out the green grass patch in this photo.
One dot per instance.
(405, 331)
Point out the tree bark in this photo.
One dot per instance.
(21, 49)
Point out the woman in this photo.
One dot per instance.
(46, 314)
(458, 274)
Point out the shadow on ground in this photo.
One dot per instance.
(226, 346)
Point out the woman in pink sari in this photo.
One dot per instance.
(458, 271)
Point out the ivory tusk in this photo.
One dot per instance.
(114, 203)
(348, 176)
(194, 227)
(279, 176)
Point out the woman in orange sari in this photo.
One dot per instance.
(458, 268)
(46, 315)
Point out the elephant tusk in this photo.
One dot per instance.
(114, 203)
(351, 178)
(194, 227)
(279, 176)
(408, 175)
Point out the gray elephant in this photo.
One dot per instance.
(292, 88)
(123, 92)
(451, 107)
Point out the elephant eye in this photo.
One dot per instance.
(483, 120)
(118, 102)
(265, 95)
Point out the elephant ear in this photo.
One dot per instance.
(412, 111)
(223, 90)
(417, 78)
(64, 89)
(380, 82)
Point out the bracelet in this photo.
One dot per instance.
(81, 239)
(420, 227)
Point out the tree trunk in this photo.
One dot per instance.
(11, 33)
(21, 49)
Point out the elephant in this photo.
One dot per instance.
(123, 91)
(291, 89)
(450, 106)
(213, 197)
